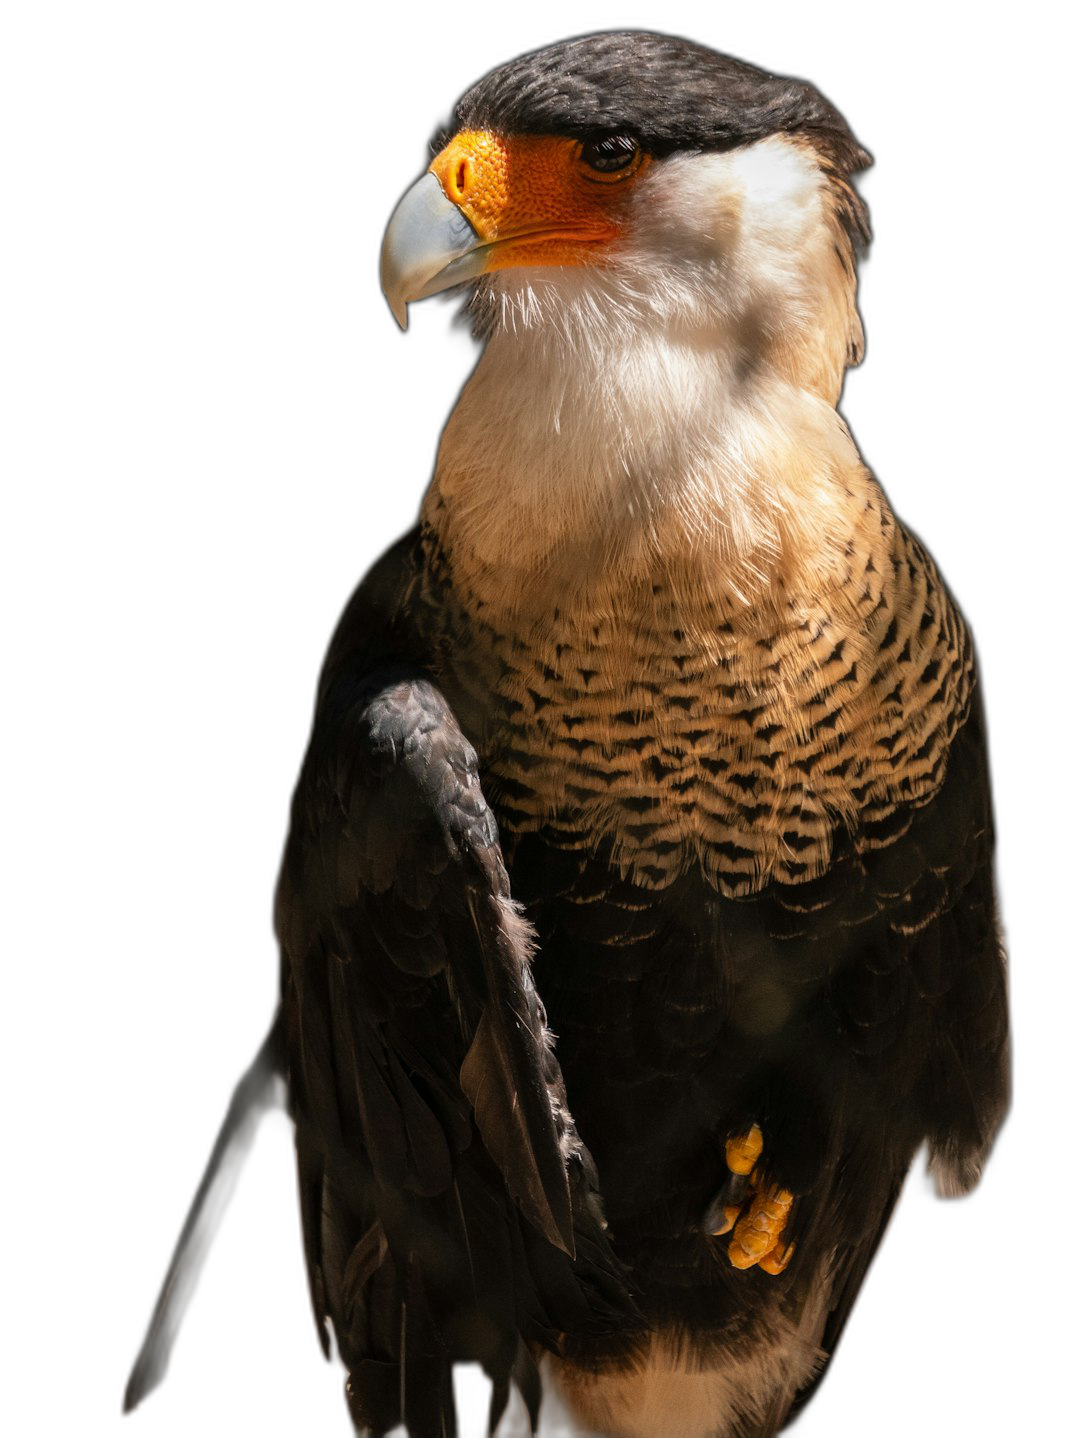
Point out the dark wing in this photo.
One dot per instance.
(921, 1005)
(448, 1207)
(444, 1191)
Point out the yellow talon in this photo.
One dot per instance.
(758, 1231)
(778, 1259)
(743, 1153)
(760, 1217)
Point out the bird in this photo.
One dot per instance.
(637, 914)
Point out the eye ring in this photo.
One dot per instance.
(611, 156)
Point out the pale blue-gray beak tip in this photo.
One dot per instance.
(426, 241)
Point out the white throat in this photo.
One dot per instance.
(673, 409)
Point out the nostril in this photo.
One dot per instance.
(460, 179)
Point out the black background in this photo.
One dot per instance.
(265, 429)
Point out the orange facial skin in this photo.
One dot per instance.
(533, 198)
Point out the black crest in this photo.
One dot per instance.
(671, 94)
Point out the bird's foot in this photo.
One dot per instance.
(754, 1213)
(743, 1153)
(758, 1236)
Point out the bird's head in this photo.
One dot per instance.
(624, 180)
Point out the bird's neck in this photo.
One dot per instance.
(580, 469)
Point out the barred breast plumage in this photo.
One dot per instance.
(719, 737)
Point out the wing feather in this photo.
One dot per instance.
(437, 1154)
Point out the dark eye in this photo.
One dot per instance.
(610, 153)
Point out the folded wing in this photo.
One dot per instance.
(448, 1206)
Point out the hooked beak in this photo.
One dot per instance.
(429, 246)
